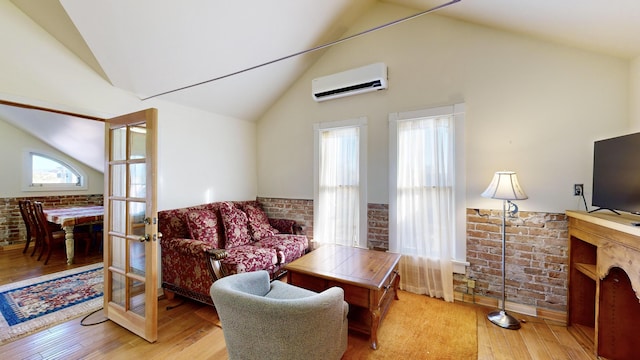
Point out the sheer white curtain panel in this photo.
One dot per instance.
(425, 205)
(338, 192)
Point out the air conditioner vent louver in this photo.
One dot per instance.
(351, 82)
(368, 85)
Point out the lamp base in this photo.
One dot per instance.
(502, 319)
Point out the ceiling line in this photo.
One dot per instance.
(319, 47)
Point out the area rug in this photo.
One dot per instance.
(419, 327)
(32, 305)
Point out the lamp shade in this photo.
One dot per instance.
(505, 186)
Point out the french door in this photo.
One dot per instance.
(130, 222)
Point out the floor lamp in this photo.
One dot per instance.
(504, 186)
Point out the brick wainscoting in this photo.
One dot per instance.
(294, 209)
(378, 225)
(537, 251)
(302, 212)
(12, 230)
(536, 257)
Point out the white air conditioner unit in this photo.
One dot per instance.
(351, 82)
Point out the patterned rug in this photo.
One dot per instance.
(31, 305)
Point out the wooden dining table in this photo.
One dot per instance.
(69, 217)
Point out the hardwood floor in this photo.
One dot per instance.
(190, 331)
(15, 266)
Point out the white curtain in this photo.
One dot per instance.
(338, 190)
(425, 205)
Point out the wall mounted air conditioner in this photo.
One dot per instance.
(351, 82)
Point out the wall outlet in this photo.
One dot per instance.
(578, 189)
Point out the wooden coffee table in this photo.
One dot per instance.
(369, 279)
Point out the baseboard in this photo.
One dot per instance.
(13, 247)
(555, 315)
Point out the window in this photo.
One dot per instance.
(340, 206)
(45, 173)
(426, 205)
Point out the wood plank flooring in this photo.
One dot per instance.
(189, 331)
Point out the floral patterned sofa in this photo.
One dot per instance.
(203, 242)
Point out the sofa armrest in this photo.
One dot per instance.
(286, 226)
(215, 266)
(188, 247)
(217, 254)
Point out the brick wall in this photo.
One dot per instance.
(12, 229)
(536, 257)
(302, 212)
(378, 226)
(299, 210)
(537, 250)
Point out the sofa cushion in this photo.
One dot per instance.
(203, 226)
(259, 223)
(235, 225)
(289, 247)
(248, 258)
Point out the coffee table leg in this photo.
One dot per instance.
(396, 284)
(375, 314)
(375, 323)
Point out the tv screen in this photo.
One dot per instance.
(616, 173)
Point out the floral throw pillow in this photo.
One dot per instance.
(203, 226)
(259, 223)
(235, 225)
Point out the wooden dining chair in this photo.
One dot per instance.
(33, 232)
(52, 238)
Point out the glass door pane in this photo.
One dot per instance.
(132, 230)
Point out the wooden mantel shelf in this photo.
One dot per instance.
(622, 223)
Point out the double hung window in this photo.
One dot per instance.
(340, 183)
(422, 204)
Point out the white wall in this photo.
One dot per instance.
(202, 156)
(14, 143)
(532, 107)
(634, 95)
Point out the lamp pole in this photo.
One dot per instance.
(500, 317)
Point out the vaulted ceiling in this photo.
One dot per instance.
(152, 48)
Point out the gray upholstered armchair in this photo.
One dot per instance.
(274, 320)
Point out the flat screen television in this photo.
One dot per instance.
(616, 174)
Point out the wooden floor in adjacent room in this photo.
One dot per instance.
(189, 331)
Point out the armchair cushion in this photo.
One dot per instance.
(203, 226)
(235, 225)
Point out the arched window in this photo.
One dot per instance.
(46, 173)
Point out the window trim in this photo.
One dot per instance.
(27, 173)
(459, 253)
(360, 122)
